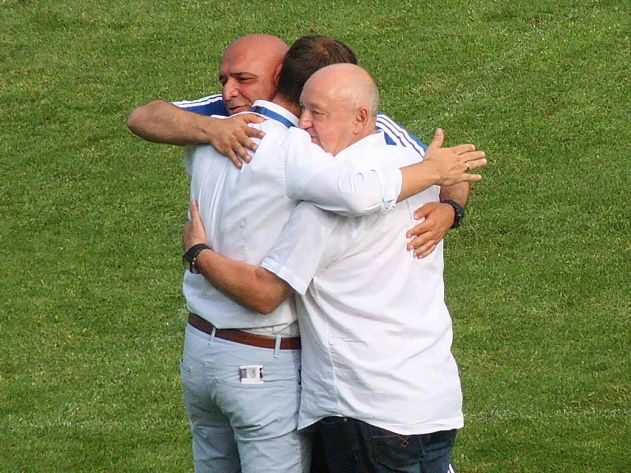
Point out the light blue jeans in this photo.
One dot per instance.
(237, 427)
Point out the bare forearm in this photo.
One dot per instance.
(162, 122)
(458, 192)
(416, 178)
(251, 286)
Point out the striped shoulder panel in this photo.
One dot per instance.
(399, 135)
(211, 105)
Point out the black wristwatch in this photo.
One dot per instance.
(191, 254)
(459, 209)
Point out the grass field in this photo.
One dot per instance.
(538, 279)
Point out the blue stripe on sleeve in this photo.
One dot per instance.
(211, 105)
(400, 135)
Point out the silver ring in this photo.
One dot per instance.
(467, 164)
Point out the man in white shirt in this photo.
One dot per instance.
(377, 375)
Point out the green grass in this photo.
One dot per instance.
(538, 279)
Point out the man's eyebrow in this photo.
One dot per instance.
(239, 75)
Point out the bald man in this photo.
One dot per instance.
(248, 71)
(378, 376)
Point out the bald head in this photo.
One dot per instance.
(347, 82)
(249, 70)
(340, 104)
(271, 48)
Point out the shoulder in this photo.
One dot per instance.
(398, 135)
(298, 134)
(382, 150)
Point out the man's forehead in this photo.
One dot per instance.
(308, 100)
(243, 64)
(313, 95)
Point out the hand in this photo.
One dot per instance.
(452, 164)
(194, 232)
(438, 220)
(232, 136)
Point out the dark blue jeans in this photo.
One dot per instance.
(353, 446)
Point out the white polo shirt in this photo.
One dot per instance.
(244, 210)
(376, 334)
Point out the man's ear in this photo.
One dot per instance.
(360, 122)
(277, 75)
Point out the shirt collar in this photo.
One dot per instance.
(275, 112)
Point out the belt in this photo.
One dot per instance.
(239, 336)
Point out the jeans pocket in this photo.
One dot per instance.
(394, 450)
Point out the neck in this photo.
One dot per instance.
(287, 104)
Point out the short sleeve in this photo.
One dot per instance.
(300, 248)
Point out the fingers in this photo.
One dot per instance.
(460, 149)
(234, 158)
(243, 143)
(238, 151)
(475, 164)
(425, 250)
(251, 118)
(462, 178)
(193, 207)
(422, 245)
(196, 218)
(474, 160)
(246, 143)
(438, 140)
(254, 133)
(248, 131)
(416, 231)
(242, 152)
(472, 156)
(424, 211)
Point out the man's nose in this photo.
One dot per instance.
(230, 88)
(305, 120)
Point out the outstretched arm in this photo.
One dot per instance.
(343, 188)
(162, 122)
(251, 286)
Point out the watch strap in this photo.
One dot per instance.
(190, 256)
(458, 209)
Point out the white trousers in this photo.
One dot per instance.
(237, 427)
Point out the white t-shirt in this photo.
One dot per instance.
(376, 333)
(244, 210)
